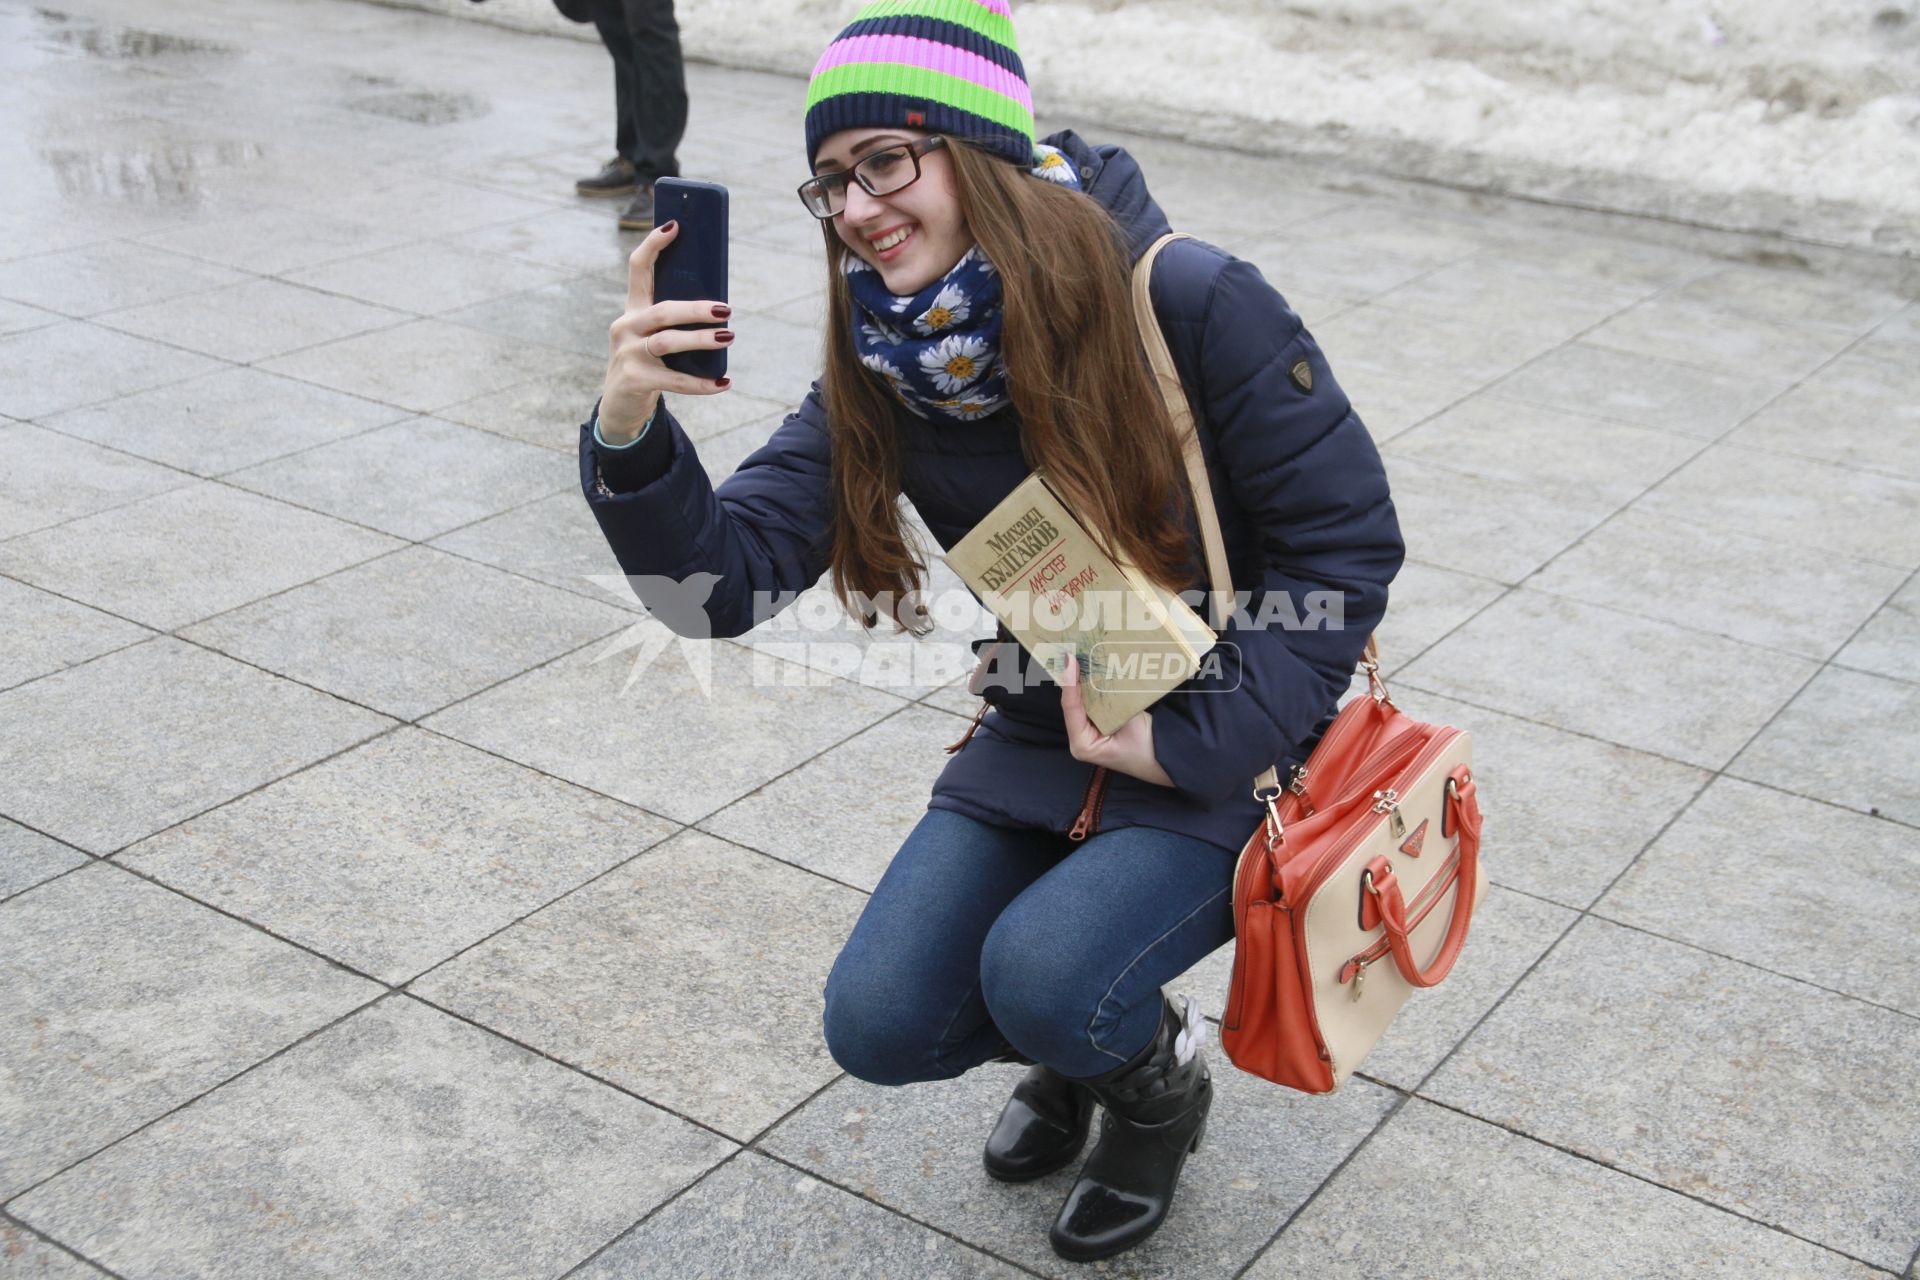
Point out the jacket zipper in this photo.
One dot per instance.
(1089, 819)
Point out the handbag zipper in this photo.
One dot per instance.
(1332, 857)
(1089, 819)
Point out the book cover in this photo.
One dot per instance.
(1043, 575)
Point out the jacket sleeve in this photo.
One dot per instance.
(758, 540)
(1304, 471)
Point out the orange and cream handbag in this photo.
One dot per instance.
(1360, 882)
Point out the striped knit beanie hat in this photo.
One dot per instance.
(946, 66)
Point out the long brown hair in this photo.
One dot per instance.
(1090, 414)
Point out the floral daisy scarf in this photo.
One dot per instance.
(939, 350)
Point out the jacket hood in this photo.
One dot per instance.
(1112, 176)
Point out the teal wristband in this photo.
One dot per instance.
(616, 448)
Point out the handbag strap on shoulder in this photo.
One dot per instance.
(1167, 377)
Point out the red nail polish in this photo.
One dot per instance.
(668, 227)
(724, 383)
(723, 336)
(721, 311)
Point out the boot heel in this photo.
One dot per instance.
(1193, 1147)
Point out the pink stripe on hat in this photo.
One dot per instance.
(929, 55)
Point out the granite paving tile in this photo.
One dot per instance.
(1742, 1088)
(761, 277)
(1849, 737)
(16, 318)
(571, 315)
(1390, 403)
(431, 206)
(1332, 269)
(415, 479)
(644, 729)
(28, 858)
(269, 241)
(1690, 697)
(25, 1256)
(1719, 339)
(1797, 500)
(546, 410)
(554, 540)
(1564, 813)
(1889, 644)
(732, 1039)
(1860, 411)
(187, 553)
(399, 1143)
(426, 278)
(408, 633)
(566, 239)
(1408, 342)
(1554, 453)
(73, 363)
(104, 276)
(101, 755)
(773, 360)
(50, 478)
(1428, 236)
(248, 322)
(1576, 254)
(845, 812)
(755, 1217)
(422, 366)
(1457, 1169)
(953, 697)
(1485, 527)
(1427, 602)
(1485, 287)
(1643, 390)
(124, 1001)
(396, 855)
(1810, 875)
(705, 417)
(917, 1149)
(1780, 595)
(223, 421)
(46, 633)
(1788, 298)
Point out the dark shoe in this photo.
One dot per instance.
(616, 178)
(639, 214)
(1156, 1114)
(1042, 1128)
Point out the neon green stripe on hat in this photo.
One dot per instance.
(928, 86)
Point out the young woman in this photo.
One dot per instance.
(981, 326)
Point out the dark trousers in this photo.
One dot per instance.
(649, 84)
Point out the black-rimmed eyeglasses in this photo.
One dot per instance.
(880, 174)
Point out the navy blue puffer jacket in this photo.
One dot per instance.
(1297, 482)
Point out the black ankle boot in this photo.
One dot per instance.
(1156, 1114)
(1042, 1128)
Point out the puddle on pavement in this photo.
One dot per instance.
(423, 107)
(126, 44)
(170, 174)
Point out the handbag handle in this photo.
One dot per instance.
(1167, 378)
(1379, 882)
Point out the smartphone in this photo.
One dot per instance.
(693, 266)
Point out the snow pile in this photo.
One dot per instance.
(1796, 116)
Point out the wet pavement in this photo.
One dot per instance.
(381, 896)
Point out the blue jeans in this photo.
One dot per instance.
(981, 936)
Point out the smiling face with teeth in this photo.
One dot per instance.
(912, 236)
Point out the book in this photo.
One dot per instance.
(1036, 567)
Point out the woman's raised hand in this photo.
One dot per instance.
(642, 335)
(1128, 750)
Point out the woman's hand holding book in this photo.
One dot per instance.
(1127, 750)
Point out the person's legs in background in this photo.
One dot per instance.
(616, 178)
(657, 102)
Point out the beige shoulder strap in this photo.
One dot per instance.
(1267, 785)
